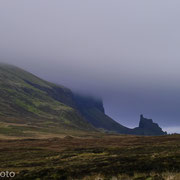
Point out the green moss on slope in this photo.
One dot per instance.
(29, 100)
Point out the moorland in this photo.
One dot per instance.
(122, 157)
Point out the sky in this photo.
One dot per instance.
(126, 52)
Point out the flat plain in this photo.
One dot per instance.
(95, 157)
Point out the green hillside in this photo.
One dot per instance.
(29, 104)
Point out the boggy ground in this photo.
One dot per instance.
(108, 157)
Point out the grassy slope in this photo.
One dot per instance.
(126, 157)
(100, 120)
(26, 99)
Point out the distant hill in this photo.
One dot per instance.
(31, 106)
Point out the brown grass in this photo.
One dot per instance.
(109, 156)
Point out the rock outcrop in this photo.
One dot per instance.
(148, 127)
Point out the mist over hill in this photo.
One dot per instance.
(29, 104)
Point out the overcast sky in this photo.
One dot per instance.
(125, 51)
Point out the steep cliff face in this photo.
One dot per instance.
(148, 127)
(92, 109)
(88, 102)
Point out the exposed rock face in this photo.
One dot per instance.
(87, 102)
(148, 127)
(147, 123)
(92, 110)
